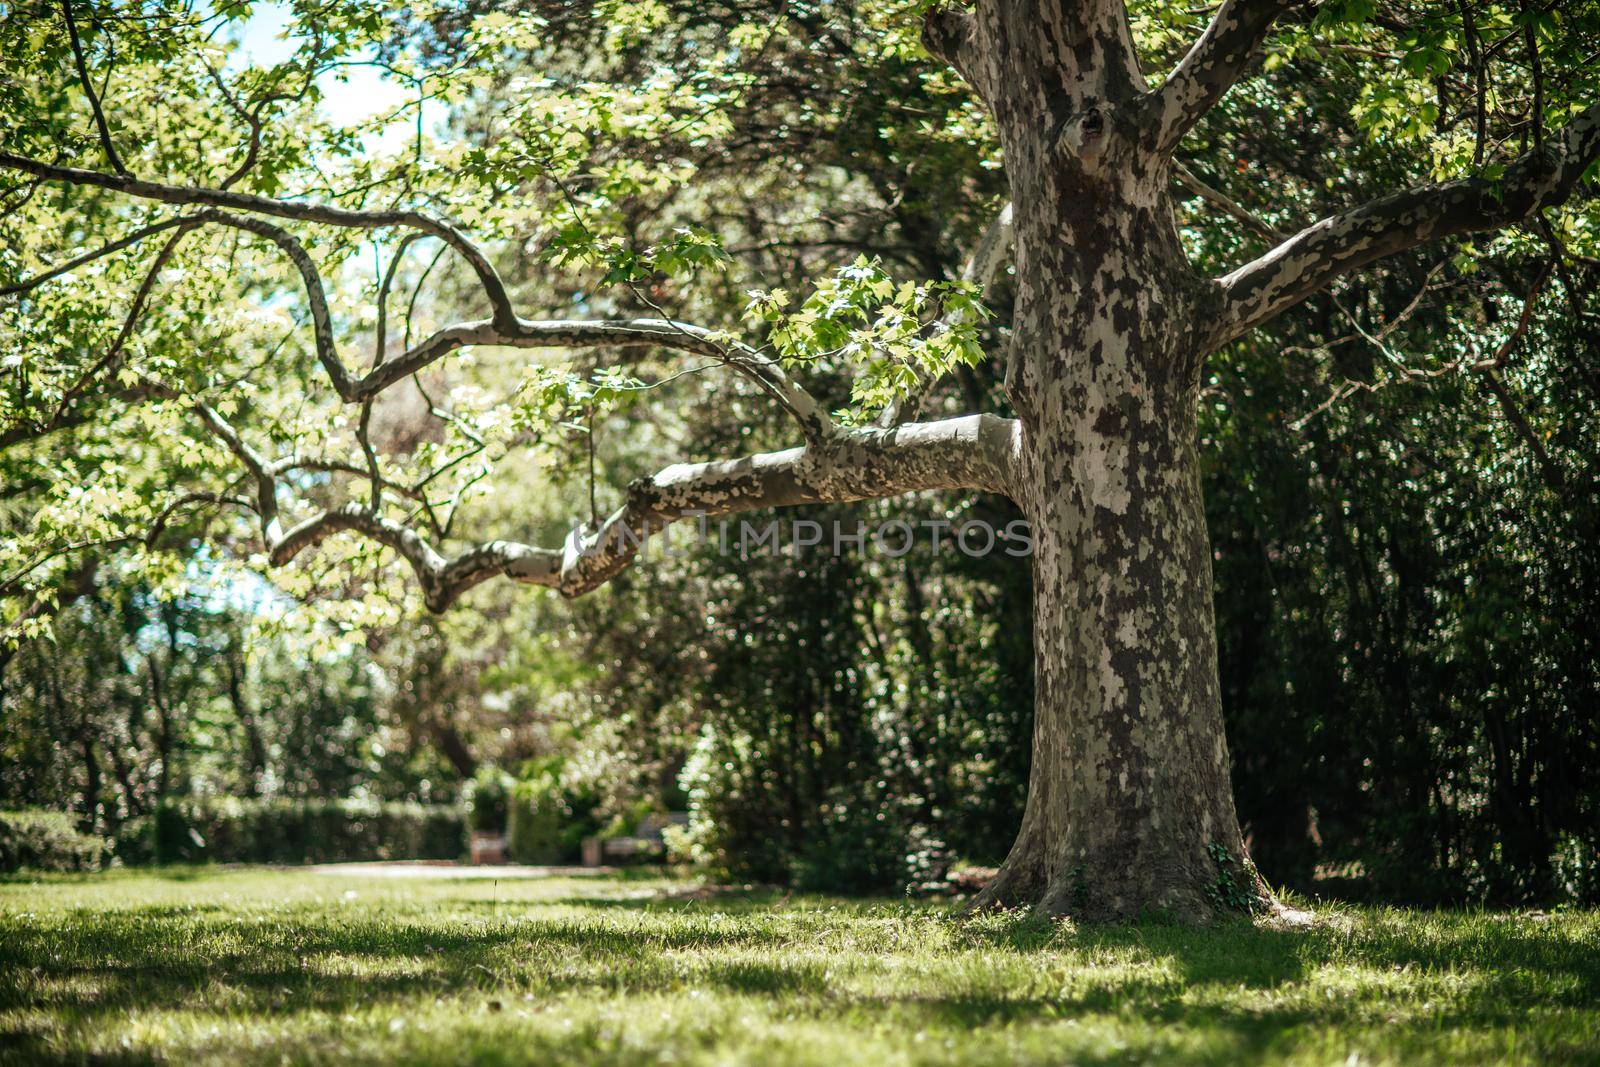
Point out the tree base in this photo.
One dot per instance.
(1197, 896)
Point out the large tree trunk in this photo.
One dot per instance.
(1130, 808)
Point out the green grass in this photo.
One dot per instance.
(256, 966)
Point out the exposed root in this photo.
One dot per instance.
(1280, 916)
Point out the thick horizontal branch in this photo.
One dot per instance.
(1314, 257)
(1216, 61)
(973, 452)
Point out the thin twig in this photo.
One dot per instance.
(88, 90)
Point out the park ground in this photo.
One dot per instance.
(247, 966)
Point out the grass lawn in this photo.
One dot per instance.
(264, 966)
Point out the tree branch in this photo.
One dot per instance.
(66, 417)
(1308, 261)
(947, 34)
(973, 452)
(326, 214)
(1226, 204)
(504, 328)
(1217, 59)
(99, 253)
(164, 518)
(335, 466)
(605, 333)
(263, 474)
(88, 90)
(113, 353)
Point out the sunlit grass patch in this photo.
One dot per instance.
(259, 966)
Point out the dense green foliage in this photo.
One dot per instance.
(860, 720)
(229, 830)
(1401, 474)
(140, 697)
(549, 817)
(242, 967)
(488, 797)
(47, 841)
(1408, 609)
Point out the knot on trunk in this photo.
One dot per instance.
(1090, 138)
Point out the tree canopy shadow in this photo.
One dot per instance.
(1232, 989)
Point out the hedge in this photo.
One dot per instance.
(48, 841)
(487, 795)
(230, 830)
(546, 823)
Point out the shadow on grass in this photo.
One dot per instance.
(35, 1047)
(688, 901)
(1261, 957)
(86, 966)
(163, 957)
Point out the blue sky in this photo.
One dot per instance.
(351, 94)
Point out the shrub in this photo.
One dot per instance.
(548, 821)
(488, 794)
(135, 841)
(230, 830)
(854, 838)
(48, 841)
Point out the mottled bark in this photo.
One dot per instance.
(1307, 262)
(1217, 60)
(975, 451)
(1129, 807)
